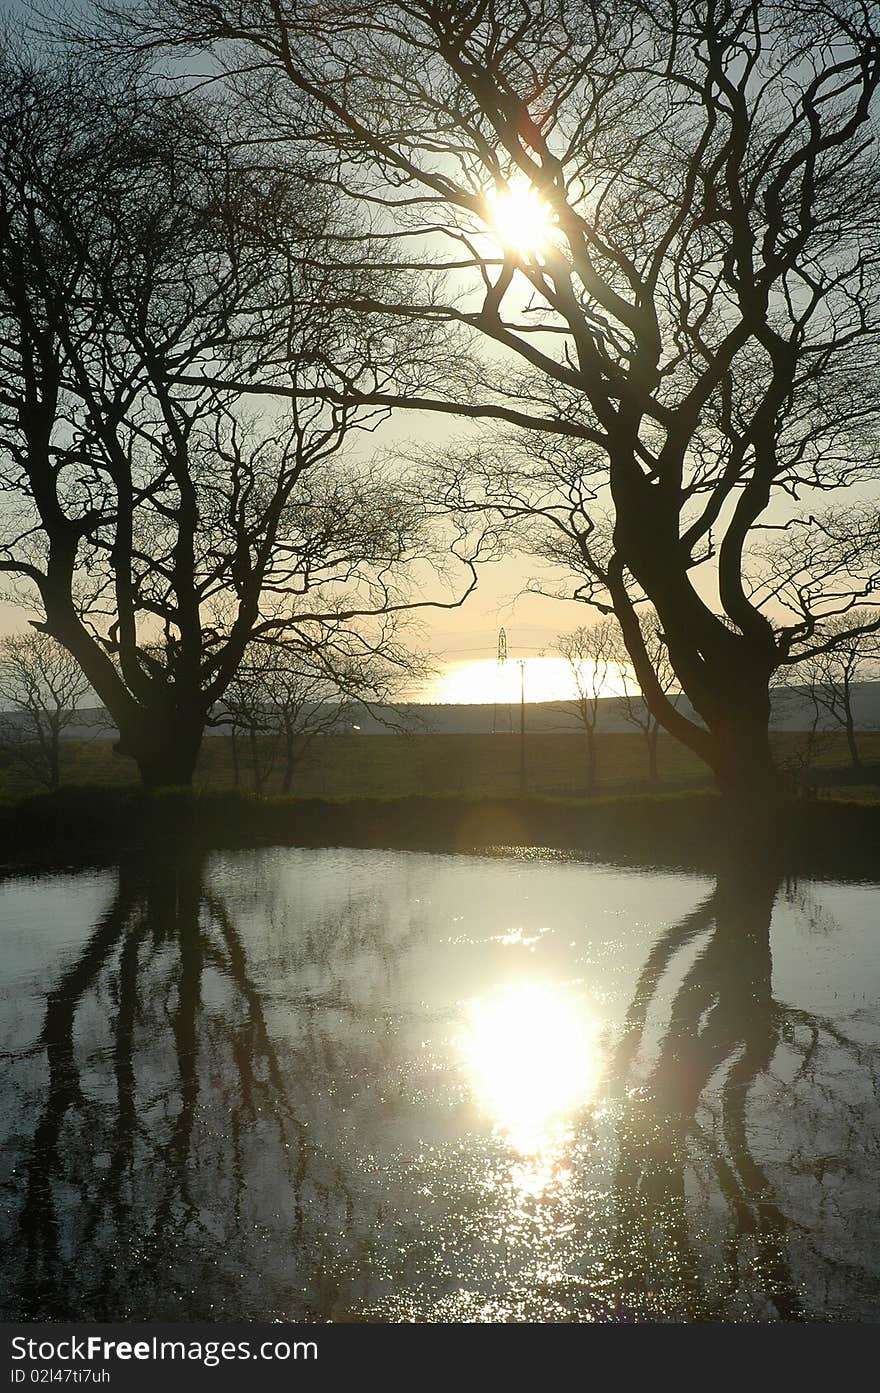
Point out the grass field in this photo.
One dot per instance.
(388, 766)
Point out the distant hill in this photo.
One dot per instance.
(791, 711)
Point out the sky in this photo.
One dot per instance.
(465, 641)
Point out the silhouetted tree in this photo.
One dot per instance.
(591, 655)
(278, 708)
(811, 738)
(691, 339)
(282, 699)
(830, 676)
(41, 685)
(162, 520)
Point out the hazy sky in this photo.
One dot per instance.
(532, 623)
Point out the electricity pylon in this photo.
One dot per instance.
(502, 659)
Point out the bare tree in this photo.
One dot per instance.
(661, 220)
(831, 676)
(283, 698)
(41, 685)
(164, 520)
(591, 655)
(636, 709)
(277, 708)
(799, 756)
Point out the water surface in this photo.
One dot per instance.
(364, 1085)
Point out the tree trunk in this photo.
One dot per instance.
(742, 760)
(236, 774)
(289, 763)
(852, 746)
(166, 752)
(256, 770)
(854, 752)
(724, 668)
(728, 686)
(54, 758)
(163, 739)
(172, 767)
(653, 770)
(591, 759)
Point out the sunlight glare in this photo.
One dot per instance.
(533, 1062)
(484, 681)
(521, 218)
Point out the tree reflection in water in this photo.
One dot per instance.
(117, 1172)
(207, 1146)
(726, 1028)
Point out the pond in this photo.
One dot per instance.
(356, 1085)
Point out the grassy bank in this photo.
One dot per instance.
(688, 829)
(401, 766)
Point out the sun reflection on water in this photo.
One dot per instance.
(533, 1061)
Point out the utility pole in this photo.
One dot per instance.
(522, 725)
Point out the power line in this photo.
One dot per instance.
(521, 648)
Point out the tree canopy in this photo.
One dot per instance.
(651, 232)
(158, 516)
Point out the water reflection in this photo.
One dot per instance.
(722, 1017)
(724, 1033)
(533, 1060)
(308, 1084)
(132, 1040)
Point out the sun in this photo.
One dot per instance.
(521, 218)
(484, 682)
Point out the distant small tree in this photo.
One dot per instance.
(810, 738)
(635, 707)
(40, 687)
(278, 708)
(831, 676)
(283, 698)
(591, 653)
